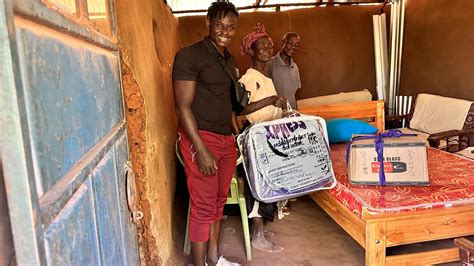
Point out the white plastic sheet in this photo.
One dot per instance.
(287, 157)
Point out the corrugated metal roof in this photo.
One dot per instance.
(185, 6)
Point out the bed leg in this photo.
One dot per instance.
(375, 243)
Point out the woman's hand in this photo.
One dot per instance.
(274, 100)
(279, 101)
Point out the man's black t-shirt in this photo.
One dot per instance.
(212, 105)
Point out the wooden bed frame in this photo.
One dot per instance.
(376, 232)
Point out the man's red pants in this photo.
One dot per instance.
(208, 194)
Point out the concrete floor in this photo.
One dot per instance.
(309, 237)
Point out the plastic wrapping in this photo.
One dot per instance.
(451, 177)
(286, 157)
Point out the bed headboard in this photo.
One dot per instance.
(372, 111)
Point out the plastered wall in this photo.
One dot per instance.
(337, 50)
(148, 43)
(336, 55)
(438, 48)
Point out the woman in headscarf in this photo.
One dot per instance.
(267, 105)
(264, 105)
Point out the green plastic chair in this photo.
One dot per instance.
(236, 196)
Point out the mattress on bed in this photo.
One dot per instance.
(451, 183)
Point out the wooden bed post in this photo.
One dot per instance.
(375, 243)
(380, 118)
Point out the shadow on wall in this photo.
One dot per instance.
(438, 54)
(180, 206)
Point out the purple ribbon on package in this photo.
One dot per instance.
(379, 144)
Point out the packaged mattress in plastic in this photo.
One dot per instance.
(286, 157)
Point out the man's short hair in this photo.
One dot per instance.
(220, 9)
(288, 35)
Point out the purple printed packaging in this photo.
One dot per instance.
(287, 157)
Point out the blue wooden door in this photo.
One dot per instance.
(63, 137)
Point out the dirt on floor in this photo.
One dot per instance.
(308, 235)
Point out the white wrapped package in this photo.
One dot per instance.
(286, 158)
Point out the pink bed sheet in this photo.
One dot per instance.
(451, 183)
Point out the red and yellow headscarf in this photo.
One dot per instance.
(257, 33)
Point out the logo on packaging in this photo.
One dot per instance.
(283, 130)
(390, 167)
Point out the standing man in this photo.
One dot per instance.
(283, 70)
(202, 92)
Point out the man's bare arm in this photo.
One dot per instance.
(184, 92)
